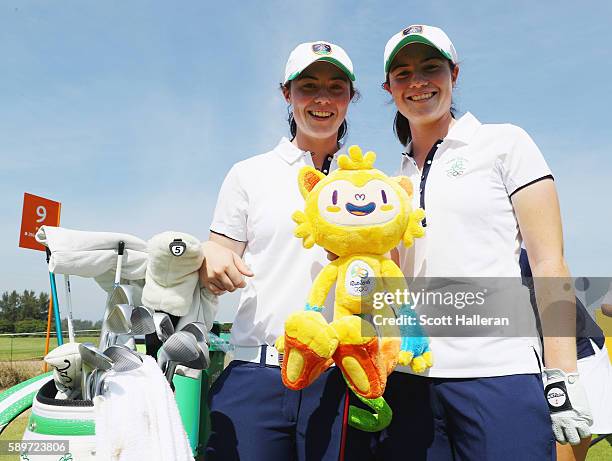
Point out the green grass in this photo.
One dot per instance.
(14, 431)
(30, 348)
(601, 451)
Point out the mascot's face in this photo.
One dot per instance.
(355, 209)
(344, 203)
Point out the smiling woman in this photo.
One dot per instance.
(485, 189)
(318, 100)
(253, 416)
(423, 82)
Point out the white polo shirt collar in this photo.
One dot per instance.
(462, 131)
(290, 153)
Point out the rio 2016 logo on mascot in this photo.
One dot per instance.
(360, 214)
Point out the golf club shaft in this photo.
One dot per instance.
(169, 372)
(85, 372)
(56, 311)
(99, 389)
(69, 304)
(103, 343)
(120, 250)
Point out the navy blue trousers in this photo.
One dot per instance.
(254, 417)
(466, 419)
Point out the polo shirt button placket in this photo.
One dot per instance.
(424, 174)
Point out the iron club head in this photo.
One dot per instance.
(180, 348)
(142, 320)
(200, 332)
(163, 325)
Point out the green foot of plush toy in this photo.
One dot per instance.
(370, 422)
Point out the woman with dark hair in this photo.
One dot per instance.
(485, 189)
(253, 416)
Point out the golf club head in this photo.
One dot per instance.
(99, 384)
(92, 383)
(133, 294)
(142, 320)
(163, 325)
(93, 357)
(118, 320)
(180, 348)
(118, 296)
(124, 359)
(200, 332)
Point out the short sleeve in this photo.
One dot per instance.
(230, 217)
(523, 164)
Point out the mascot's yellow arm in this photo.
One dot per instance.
(322, 284)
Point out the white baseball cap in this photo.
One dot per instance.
(429, 35)
(306, 53)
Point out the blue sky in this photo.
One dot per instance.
(131, 113)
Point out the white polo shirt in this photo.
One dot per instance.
(255, 205)
(471, 231)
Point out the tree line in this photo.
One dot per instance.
(27, 313)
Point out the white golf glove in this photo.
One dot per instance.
(568, 405)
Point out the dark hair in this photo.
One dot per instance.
(401, 125)
(343, 128)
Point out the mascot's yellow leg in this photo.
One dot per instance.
(389, 351)
(359, 357)
(308, 345)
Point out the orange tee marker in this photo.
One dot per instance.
(37, 212)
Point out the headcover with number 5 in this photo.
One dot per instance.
(172, 272)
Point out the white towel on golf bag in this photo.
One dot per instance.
(172, 272)
(93, 254)
(132, 425)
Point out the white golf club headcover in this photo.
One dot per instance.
(172, 272)
(568, 405)
(66, 363)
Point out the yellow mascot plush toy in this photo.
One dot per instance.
(359, 214)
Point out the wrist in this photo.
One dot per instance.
(558, 373)
(207, 247)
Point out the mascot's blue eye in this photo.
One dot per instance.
(384, 196)
(335, 197)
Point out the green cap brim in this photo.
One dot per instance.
(414, 38)
(335, 62)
